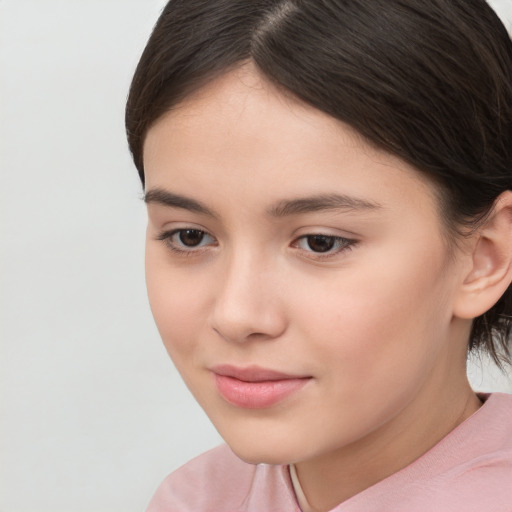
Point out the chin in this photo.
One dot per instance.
(264, 451)
(266, 456)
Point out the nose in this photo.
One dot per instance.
(248, 304)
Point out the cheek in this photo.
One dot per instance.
(379, 322)
(177, 304)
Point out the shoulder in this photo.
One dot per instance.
(485, 479)
(197, 484)
(219, 480)
(477, 460)
(493, 422)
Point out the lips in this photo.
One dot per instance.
(254, 387)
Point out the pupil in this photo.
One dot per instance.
(319, 243)
(191, 237)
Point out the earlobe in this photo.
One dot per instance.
(490, 271)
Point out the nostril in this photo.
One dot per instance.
(242, 329)
(240, 334)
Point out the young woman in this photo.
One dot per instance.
(329, 192)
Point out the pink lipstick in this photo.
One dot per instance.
(254, 387)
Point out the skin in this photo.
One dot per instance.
(373, 324)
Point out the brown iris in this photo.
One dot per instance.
(320, 243)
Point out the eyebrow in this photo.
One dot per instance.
(166, 198)
(283, 208)
(321, 202)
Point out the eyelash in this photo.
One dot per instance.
(343, 244)
(167, 238)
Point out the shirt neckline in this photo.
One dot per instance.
(297, 489)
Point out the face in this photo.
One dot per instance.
(299, 278)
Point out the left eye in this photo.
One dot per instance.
(189, 237)
(323, 243)
(186, 239)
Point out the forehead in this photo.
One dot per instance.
(241, 135)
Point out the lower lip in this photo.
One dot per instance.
(257, 395)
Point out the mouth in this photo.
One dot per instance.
(255, 387)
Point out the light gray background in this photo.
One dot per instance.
(92, 413)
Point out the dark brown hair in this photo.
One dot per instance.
(429, 81)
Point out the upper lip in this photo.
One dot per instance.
(253, 373)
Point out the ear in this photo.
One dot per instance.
(490, 266)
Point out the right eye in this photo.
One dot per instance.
(186, 240)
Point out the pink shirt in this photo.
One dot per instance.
(470, 470)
